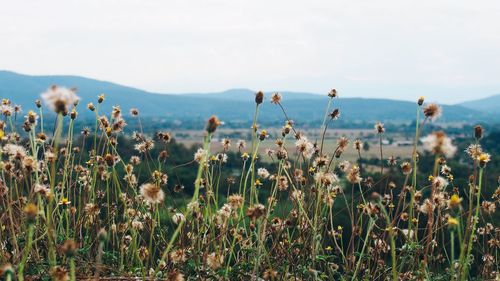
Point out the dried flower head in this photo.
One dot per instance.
(379, 127)
(439, 143)
(276, 98)
(59, 98)
(31, 211)
(212, 124)
(432, 111)
(259, 97)
(332, 93)
(69, 248)
(152, 193)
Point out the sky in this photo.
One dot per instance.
(447, 51)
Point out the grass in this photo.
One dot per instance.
(315, 213)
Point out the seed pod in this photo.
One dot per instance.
(259, 97)
(420, 101)
(212, 124)
(478, 132)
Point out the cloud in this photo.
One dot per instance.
(446, 50)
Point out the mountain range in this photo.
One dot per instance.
(234, 105)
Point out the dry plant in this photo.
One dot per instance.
(68, 211)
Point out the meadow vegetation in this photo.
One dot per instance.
(281, 206)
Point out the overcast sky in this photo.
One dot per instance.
(448, 51)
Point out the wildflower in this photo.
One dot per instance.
(64, 202)
(14, 150)
(177, 218)
(296, 195)
(110, 159)
(439, 183)
(241, 144)
(276, 98)
(263, 135)
(358, 144)
(6, 109)
(342, 143)
(200, 155)
(69, 248)
(488, 207)
(326, 179)
(212, 124)
(305, 147)
(281, 154)
(145, 146)
(263, 173)
(406, 168)
(59, 274)
(226, 144)
(420, 101)
(258, 182)
(31, 211)
(73, 114)
(478, 132)
(41, 189)
(483, 159)
(214, 261)
(118, 125)
(256, 211)
(245, 156)
(135, 160)
(31, 117)
(137, 225)
(344, 165)
(134, 112)
(379, 127)
(91, 106)
(427, 207)
(59, 98)
(392, 161)
(445, 170)
(235, 200)
(353, 176)
(454, 201)
(335, 114)
(474, 150)
(432, 111)
(259, 97)
(178, 256)
(332, 93)
(166, 137)
(452, 222)
(152, 193)
(439, 143)
(320, 161)
(100, 98)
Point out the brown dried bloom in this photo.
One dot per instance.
(152, 193)
(276, 98)
(259, 97)
(212, 124)
(432, 111)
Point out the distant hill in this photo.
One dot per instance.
(236, 105)
(489, 104)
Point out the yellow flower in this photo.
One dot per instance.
(452, 221)
(454, 201)
(258, 182)
(64, 201)
(2, 134)
(245, 156)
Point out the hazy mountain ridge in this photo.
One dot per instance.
(234, 104)
(488, 104)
